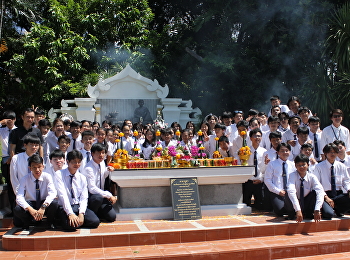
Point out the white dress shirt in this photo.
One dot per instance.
(323, 173)
(80, 189)
(96, 175)
(271, 154)
(310, 183)
(319, 144)
(18, 169)
(265, 140)
(4, 137)
(273, 174)
(289, 135)
(260, 151)
(345, 161)
(78, 144)
(27, 189)
(332, 133)
(85, 160)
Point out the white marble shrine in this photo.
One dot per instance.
(119, 97)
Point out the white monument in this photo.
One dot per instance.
(128, 95)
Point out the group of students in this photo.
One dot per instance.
(299, 170)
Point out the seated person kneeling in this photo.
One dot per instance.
(100, 201)
(36, 196)
(73, 195)
(306, 193)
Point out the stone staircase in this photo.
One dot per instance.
(261, 236)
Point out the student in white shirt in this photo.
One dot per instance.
(167, 136)
(304, 114)
(44, 127)
(275, 140)
(342, 156)
(315, 135)
(75, 136)
(19, 163)
(273, 123)
(306, 149)
(73, 196)
(276, 101)
(302, 138)
(225, 149)
(276, 178)
(57, 163)
(212, 144)
(36, 196)
(290, 136)
(52, 136)
(10, 118)
(334, 177)
(336, 131)
(254, 186)
(87, 139)
(306, 194)
(284, 125)
(100, 200)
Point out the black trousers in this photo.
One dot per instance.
(90, 218)
(101, 207)
(5, 169)
(278, 203)
(23, 218)
(309, 207)
(341, 201)
(250, 189)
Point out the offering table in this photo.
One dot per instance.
(146, 194)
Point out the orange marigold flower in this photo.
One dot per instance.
(200, 133)
(121, 134)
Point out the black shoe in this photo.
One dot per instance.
(339, 215)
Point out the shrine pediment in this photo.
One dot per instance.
(127, 84)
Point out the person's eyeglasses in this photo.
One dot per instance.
(337, 116)
(238, 112)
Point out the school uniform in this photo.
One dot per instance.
(5, 168)
(341, 181)
(332, 133)
(256, 159)
(34, 193)
(87, 157)
(18, 169)
(345, 161)
(228, 153)
(289, 135)
(98, 202)
(75, 143)
(317, 143)
(306, 195)
(147, 150)
(265, 141)
(284, 108)
(271, 154)
(73, 198)
(276, 182)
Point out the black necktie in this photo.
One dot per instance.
(87, 157)
(37, 194)
(74, 144)
(71, 186)
(301, 195)
(228, 153)
(316, 147)
(284, 175)
(334, 188)
(295, 137)
(342, 161)
(255, 165)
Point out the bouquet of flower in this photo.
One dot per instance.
(244, 152)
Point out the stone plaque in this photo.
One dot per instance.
(185, 198)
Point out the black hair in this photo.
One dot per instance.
(331, 146)
(262, 113)
(207, 124)
(98, 148)
(306, 146)
(314, 119)
(283, 114)
(223, 138)
(301, 158)
(75, 154)
(147, 142)
(254, 131)
(274, 97)
(176, 124)
(303, 130)
(28, 110)
(87, 132)
(293, 98)
(104, 122)
(253, 119)
(301, 109)
(191, 123)
(66, 138)
(337, 110)
(35, 158)
(75, 124)
(30, 138)
(253, 112)
(57, 154)
(84, 121)
(44, 122)
(243, 123)
(275, 134)
(67, 122)
(283, 145)
(339, 142)
(168, 130)
(223, 127)
(292, 117)
(273, 119)
(275, 107)
(9, 114)
(227, 114)
(39, 111)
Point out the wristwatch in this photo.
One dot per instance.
(44, 206)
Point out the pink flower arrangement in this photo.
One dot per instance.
(172, 151)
